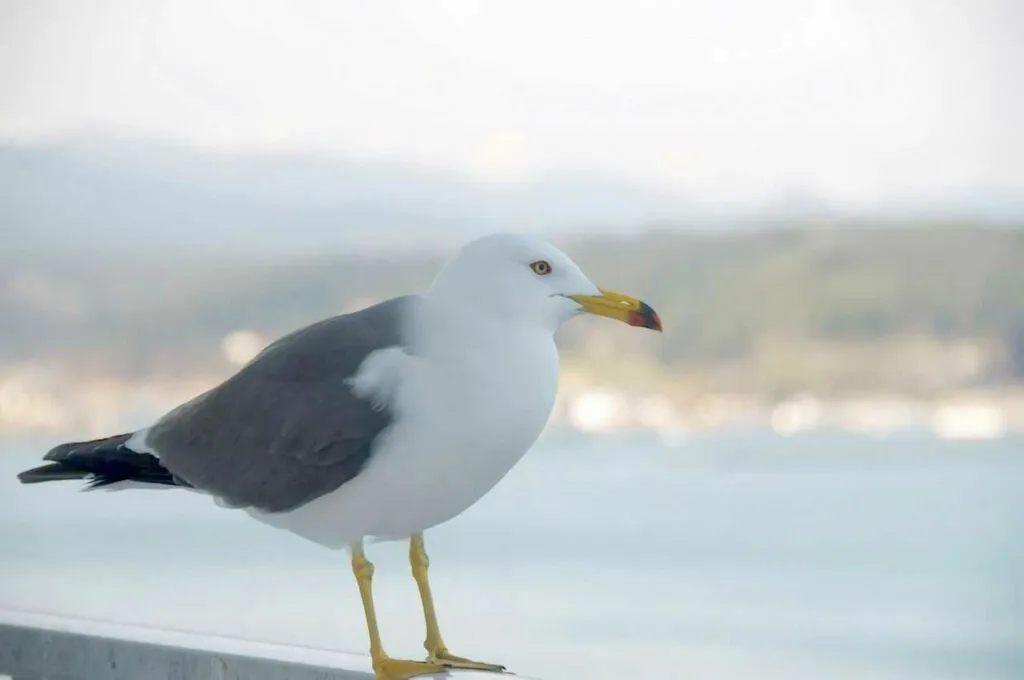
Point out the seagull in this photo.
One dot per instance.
(379, 424)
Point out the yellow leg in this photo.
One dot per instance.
(384, 666)
(437, 651)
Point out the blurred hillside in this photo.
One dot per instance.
(136, 273)
(833, 310)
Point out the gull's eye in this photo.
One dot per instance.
(541, 267)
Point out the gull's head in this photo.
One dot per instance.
(525, 279)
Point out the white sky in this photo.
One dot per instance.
(857, 101)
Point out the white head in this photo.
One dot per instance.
(524, 279)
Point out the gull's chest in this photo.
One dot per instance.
(507, 416)
(486, 409)
(506, 398)
(464, 422)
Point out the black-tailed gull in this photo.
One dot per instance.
(378, 424)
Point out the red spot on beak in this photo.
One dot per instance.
(645, 317)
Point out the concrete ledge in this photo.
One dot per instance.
(31, 653)
(35, 646)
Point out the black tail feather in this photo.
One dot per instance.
(101, 462)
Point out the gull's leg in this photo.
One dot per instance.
(437, 651)
(384, 666)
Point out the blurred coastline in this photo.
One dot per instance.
(33, 406)
(873, 329)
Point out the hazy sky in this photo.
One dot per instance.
(856, 100)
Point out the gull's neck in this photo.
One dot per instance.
(449, 326)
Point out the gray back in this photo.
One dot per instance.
(285, 429)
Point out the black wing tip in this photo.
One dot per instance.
(49, 473)
(102, 462)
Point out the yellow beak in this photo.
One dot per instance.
(621, 308)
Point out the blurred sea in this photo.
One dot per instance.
(734, 556)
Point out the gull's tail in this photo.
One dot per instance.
(102, 462)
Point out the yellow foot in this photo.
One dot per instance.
(400, 669)
(443, 656)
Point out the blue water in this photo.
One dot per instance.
(741, 555)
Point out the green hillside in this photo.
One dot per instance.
(830, 308)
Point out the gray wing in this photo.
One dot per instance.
(285, 429)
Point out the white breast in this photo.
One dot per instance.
(465, 419)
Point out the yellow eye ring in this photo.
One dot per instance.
(541, 267)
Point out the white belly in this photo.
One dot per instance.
(440, 459)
